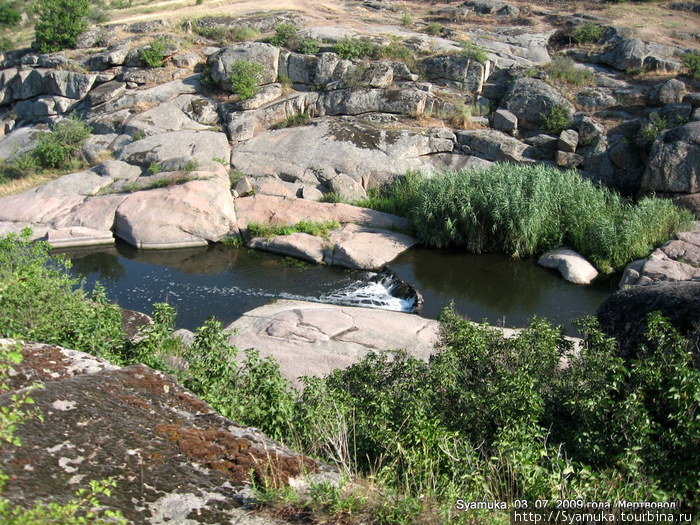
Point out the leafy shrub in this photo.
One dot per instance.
(285, 35)
(308, 46)
(691, 61)
(498, 417)
(474, 52)
(9, 16)
(526, 210)
(557, 120)
(154, 168)
(406, 19)
(564, 70)
(60, 22)
(154, 54)
(397, 51)
(245, 78)
(60, 147)
(299, 119)
(350, 48)
(39, 301)
(650, 131)
(433, 28)
(588, 32)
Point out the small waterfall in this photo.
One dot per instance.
(382, 289)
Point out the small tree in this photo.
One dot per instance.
(60, 23)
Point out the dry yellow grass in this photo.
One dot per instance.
(14, 186)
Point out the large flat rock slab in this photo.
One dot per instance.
(675, 260)
(351, 246)
(270, 209)
(362, 248)
(313, 339)
(371, 156)
(204, 146)
(173, 459)
(189, 214)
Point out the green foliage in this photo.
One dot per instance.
(691, 61)
(588, 32)
(406, 19)
(557, 120)
(9, 15)
(308, 46)
(350, 48)
(285, 35)
(154, 168)
(60, 22)
(39, 301)
(650, 131)
(526, 210)
(60, 147)
(225, 35)
(298, 119)
(245, 78)
(252, 392)
(84, 509)
(434, 28)
(397, 51)
(499, 417)
(6, 44)
(154, 54)
(564, 70)
(319, 229)
(121, 4)
(190, 165)
(474, 52)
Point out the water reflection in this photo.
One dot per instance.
(226, 282)
(497, 288)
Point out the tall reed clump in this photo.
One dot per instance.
(526, 210)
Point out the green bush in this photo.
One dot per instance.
(588, 32)
(406, 19)
(691, 61)
(557, 120)
(499, 418)
(60, 22)
(564, 70)
(308, 46)
(474, 52)
(285, 35)
(9, 15)
(433, 28)
(350, 48)
(298, 119)
(245, 78)
(154, 54)
(60, 147)
(526, 210)
(41, 302)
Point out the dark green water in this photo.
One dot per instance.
(226, 282)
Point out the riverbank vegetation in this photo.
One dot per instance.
(526, 210)
(486, 419)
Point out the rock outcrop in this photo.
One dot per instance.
(172, 457)
(624, 314)
(572, 266)
(314, 339)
